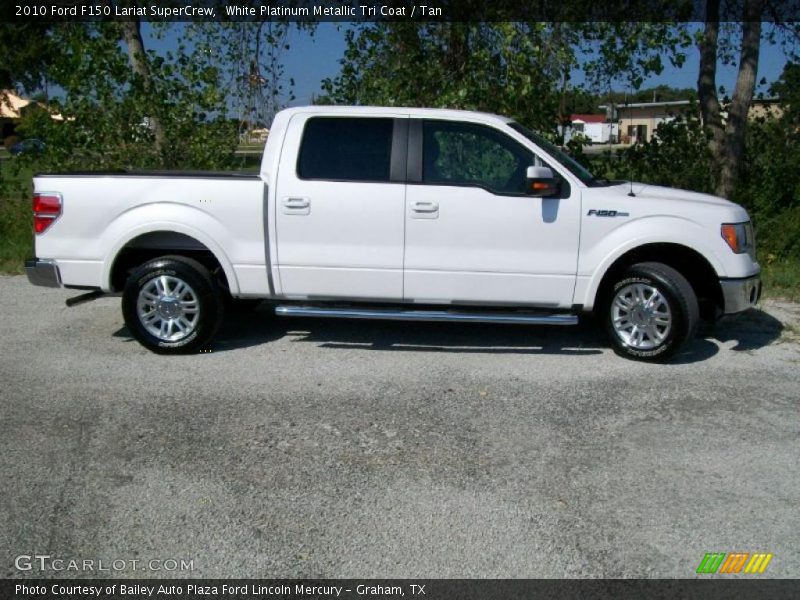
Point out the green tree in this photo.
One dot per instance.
(125, 105)
(522, 70)
(769, 180)
(501, 67)
(787, 89)
(132, 35)
(120, 109)
(738, 42)
(677, 156)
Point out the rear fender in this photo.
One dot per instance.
(170, 217)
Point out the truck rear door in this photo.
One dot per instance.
(340, 199)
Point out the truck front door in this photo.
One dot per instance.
(472, 232)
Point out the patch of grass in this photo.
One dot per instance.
(13, 175)
(16, 235)
(781, 279)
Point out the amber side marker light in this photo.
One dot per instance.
(733, 234)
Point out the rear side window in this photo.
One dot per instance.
(346, 149)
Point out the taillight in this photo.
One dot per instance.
(46, 209)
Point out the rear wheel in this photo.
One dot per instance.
(172, 305)
(650, 312)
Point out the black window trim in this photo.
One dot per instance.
(414, 172)
(415, 150)
(397, 158)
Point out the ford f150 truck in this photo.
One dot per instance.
(393, 213)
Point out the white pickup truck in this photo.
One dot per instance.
(394, 213)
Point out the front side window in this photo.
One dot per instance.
(475, 155)
(346, 149)
(559, 155)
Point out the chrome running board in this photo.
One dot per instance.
(427, 315)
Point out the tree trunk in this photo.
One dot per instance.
(132, 36)
(727, 140)
(736, 127)
(707, 82)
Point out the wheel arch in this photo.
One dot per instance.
(169, 239)
(692, 264)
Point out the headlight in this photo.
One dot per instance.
(739, 236)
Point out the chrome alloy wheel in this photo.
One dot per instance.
(168, 309)
(641, 316)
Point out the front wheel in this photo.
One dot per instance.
(172, 305)
(651, 312)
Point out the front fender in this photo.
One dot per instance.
(164, 216)
(598, 255)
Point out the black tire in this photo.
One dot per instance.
(205, 293)
(677, 299)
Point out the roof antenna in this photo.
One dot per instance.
(630, 165)
(630, 179)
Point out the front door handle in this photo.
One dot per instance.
(424, 207)
(296, 206)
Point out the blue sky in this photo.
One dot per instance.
(312, 58)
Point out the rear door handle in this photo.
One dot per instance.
(296, 206)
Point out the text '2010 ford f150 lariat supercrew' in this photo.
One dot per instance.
(392, 213)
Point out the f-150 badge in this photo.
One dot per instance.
(606, 213)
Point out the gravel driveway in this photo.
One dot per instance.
(321, 448)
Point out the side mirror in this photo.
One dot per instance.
(540, 182)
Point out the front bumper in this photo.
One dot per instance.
(43, 272)
(740, 294)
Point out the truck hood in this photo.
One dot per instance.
(646, 191)
(659, 200)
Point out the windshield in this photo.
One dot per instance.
(562, 157)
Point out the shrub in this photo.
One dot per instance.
(769, 184)
(10, 141)
(677, 156)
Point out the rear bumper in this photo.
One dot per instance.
(740, 294)
(43, 272)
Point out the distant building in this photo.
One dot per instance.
(11, 105)
(259, 135)
(766, 108)
(594, 127)
(638, 121)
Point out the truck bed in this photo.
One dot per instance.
(133, 173)
(221, 212)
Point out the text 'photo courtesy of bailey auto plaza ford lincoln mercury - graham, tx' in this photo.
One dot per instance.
(443, 300)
